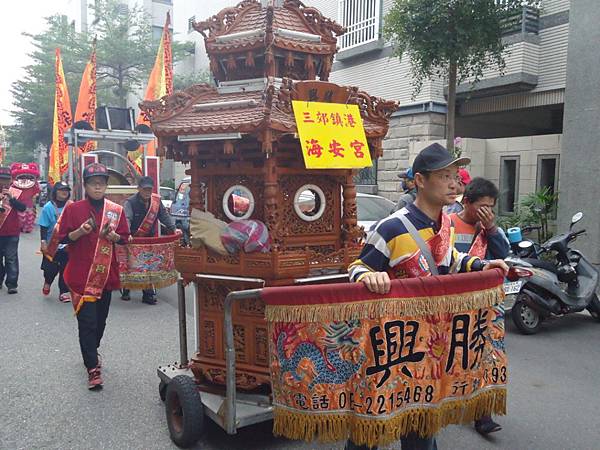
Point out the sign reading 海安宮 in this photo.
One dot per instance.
(332, 135)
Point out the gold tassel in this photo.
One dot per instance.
(310, 67)
(250, 59)
(416, 306)
(231, 64)
(427, 422)
(289, 59)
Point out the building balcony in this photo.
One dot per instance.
(522, 57)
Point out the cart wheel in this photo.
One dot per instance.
(162, 390)
(185, 412)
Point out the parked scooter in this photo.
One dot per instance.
(517, 245)
(562, 284)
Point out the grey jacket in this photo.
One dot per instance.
(406, 199)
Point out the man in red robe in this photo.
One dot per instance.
(91, 227)
(10, 230)
(145, 212)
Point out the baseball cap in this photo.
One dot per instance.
(146, 182)
(408, 174)
(62, 186)
(95, 170)
(5, 172)
(436, 157)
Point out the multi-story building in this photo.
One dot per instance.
(514, 119)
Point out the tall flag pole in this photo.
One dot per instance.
(86, 102)
(160, 84)
(59, 151)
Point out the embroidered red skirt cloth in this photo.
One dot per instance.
(148, 262)
(348, 363)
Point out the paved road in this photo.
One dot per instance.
(553, 401)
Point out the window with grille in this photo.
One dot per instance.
(367, 176)
(362, 20)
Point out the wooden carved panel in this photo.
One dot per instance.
(292, 224)
(262, 346)
(239, 339)
(222, 183)
(208, 336)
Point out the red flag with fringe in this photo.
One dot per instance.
(59, 151)
(160, 84)
(86, 102)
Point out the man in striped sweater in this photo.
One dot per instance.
(394, 248)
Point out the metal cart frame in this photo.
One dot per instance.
(235, 409)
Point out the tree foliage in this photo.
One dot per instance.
(452, 39)
(124, 55)
(126, 51)
(180, 82)
(34, 94)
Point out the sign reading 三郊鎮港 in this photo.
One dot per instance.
(332, 135)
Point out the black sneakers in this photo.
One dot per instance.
(149, 300)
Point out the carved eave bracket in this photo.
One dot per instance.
(171, 105)
(223, 21)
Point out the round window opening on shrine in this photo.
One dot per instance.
(309, 202)
(238, 203)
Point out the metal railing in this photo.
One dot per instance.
(525, 21)
(362, 19)
(367, 176)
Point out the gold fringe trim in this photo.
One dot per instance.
(141, 285)
(372, 432)
(145, 284)
(385, 307)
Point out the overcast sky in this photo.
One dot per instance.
(28, 16)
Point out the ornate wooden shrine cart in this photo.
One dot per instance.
(240, 139)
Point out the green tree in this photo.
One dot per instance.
(180, 82)
(454, 39)
(126, 51)
(124, 55)
(34, 94)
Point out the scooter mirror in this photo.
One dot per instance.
(524, 245)
(576, 218)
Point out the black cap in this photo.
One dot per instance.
(61, 186)
(5, 172)
(436, 157)
(146, 182)
(95, 170)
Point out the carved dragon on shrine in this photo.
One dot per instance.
(222, 22)
(170, 105)
(323, 25)
(374, 108)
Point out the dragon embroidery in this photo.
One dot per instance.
(329, 365)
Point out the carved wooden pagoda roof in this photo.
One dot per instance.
(251, 15)
(203, 109)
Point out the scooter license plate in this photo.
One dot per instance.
(512, 287)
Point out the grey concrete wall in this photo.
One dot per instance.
(403, 131)
(580, 163)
